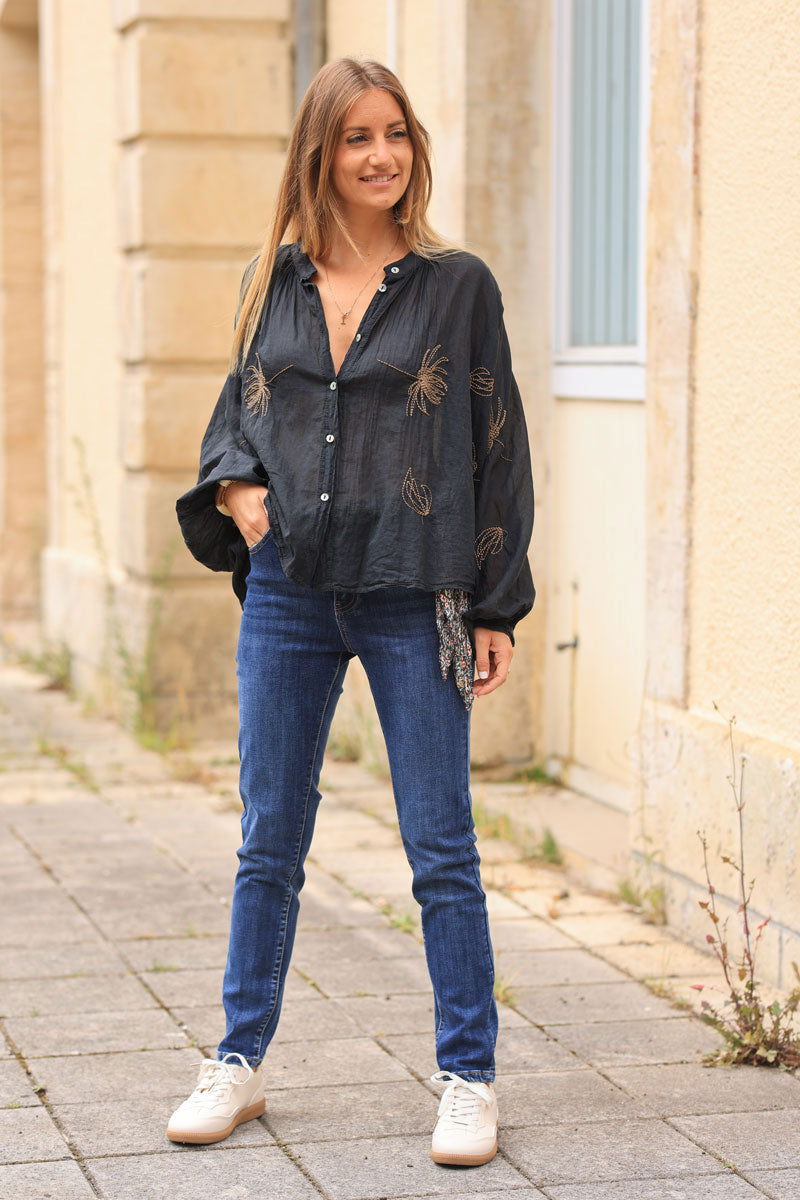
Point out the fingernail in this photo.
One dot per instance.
(483, 674)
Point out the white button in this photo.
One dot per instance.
(358, 337)
(324, 496)
(329, 438)
(333, 386)
(382, 288)
(395, 270)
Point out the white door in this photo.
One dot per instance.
(595, 667)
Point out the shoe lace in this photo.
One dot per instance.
(461, 1101)
(218, 1076)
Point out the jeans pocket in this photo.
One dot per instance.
(261, 542)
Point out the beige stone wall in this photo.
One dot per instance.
(723, 571)
(83, 376)
(23, 491)
(745, 565)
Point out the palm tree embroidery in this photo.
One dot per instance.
(256, 393)
(489, 541)
(429, 382)
(481, 382)
(416, 495)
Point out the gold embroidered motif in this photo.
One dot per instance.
(257, 394)
(495, 423)
(489, 541)
(474, 460)
(481, 382)
(416, 495)
(428, 385)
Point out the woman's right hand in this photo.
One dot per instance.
(245, 502)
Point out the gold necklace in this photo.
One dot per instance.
(346, 313)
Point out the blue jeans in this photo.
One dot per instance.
(294, 646)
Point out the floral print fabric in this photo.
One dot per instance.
(455, 648)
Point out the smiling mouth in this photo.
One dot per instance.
(378, 178)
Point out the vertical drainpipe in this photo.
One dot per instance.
(309, 44)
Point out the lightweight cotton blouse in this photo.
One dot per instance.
(410, 467)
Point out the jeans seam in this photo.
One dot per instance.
(277, 973)
(342, 628)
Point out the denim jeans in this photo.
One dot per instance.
(294, 646)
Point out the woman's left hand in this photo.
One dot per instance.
(493, 653)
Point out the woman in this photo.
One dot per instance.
(366, 477)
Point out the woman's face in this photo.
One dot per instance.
(372, 161)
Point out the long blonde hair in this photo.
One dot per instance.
(307, 204)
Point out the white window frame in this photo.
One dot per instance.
(591, 372)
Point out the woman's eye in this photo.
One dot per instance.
(398, 134)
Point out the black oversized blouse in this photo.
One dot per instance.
(411, 467)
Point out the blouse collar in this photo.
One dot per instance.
(392, 272)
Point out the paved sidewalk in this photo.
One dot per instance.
(117, 877)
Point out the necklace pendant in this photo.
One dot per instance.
(345, 316)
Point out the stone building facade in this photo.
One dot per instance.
(140, 146)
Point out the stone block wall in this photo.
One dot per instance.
(203, 109)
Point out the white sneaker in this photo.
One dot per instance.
(227, 1094)
(466, 1131)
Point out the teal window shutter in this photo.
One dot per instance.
(604, 172)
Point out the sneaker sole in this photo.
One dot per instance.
(463, 1160)
(219, 1135)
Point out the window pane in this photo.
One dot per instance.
(604, 172)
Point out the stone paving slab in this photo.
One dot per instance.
(690, 1089)
(187, 988)
(230, 1173)
(517, 1050)
(594, 1151)
(16, 1089)
(711, 1187)
(356, 1110)
(91, 958)
(779, 1185)
(148, 954)
(614, 1043)
(612, 929)
(573, 1003)
(556, 1097)
(45, 1181)
(300, 1021)
(535, 968)
(43, 929)
(499, 905)
(749, 1140)
(338, 1061)
(394, 1166)
(370, 978)
(528, 933)
(93, 1033)
(353, 945)
(559, 900)
(89, 1077)
(666, 960)
(387, 1014)
(29, 1135)
(485, 1193)
(138, 1126)
(82, 994)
